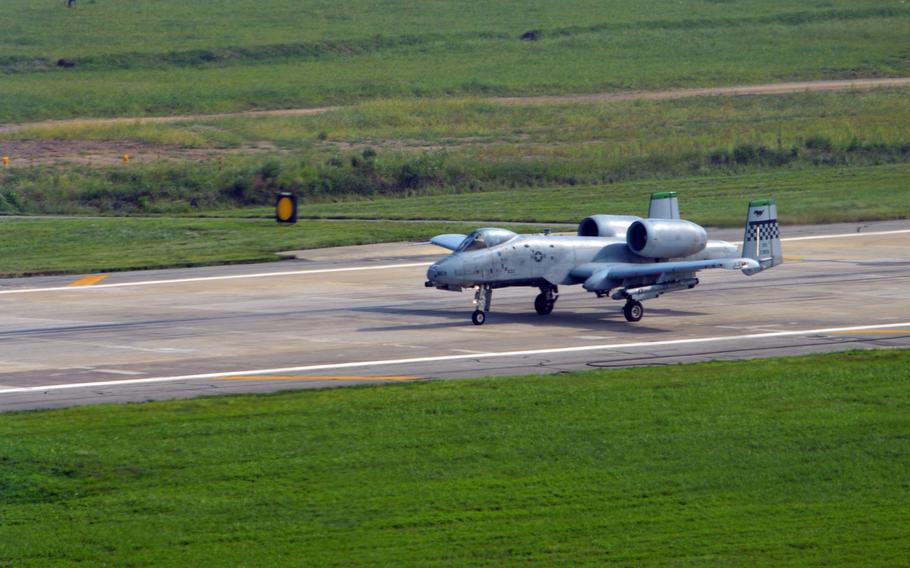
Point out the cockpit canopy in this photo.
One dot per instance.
(485, 238)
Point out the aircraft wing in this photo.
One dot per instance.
(605, 275)
(450, 241)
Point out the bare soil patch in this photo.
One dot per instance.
(25, 153)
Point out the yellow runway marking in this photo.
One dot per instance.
(300, 378)
(89, 280)
(793, 258)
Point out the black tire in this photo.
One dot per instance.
(478, 317)
(633, 310)
(542, 306)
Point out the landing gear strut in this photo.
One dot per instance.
(633, 310)
(545, 301)
(483, 298)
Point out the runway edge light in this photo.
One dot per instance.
(286, 208)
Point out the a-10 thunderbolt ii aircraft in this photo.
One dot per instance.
(625, 257)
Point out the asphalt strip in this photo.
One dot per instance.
(330, 270)
(393, 362)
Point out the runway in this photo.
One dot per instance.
(361, 314)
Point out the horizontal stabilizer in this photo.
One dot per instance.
(450, 241)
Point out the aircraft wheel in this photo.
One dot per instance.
(478, 317)
(543, 306)
(633, 310)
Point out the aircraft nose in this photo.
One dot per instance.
(437, 274)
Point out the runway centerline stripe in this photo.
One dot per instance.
(88, 280)
(331, 270)
(440, 358)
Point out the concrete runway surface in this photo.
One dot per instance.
(355, 315)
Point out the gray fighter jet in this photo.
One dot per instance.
(621, 256)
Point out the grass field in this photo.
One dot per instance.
(777, 462)
(423, 140)
(80, 245)
(52, 246)
(174, 57)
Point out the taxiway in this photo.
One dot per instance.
(361, 314)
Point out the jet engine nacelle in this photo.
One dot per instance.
(665, 238)
(605, 225)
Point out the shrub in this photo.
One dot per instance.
(819, 143)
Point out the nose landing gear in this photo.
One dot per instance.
(483, 298)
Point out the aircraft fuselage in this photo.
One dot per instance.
(545, 260)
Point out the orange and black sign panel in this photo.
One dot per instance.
(286, 208)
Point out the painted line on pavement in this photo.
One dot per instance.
(88, 280)
(215, 278)
(846, 235)
(393, 362)
(895, 331)
(311, 378)
(332, 270)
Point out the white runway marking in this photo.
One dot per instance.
(331, 270)
(392, 362)
(212, 278)
(846, 235)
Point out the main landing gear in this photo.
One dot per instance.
(633, 310)
(483, 298)
(545, 301)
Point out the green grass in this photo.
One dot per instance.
(98, 28)
(174, 57)
(79, 245)
(605, 133)
(777, 462)
(61, 245)
(804, 196)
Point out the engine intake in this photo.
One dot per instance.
(605, 225)
(665, 238)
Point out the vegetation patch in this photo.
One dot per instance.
(775, 462)
(804, 196)
(83, 245)
(400, 148)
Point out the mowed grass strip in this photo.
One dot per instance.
(176, 57)
(73, 245)
(777, 462)
(81, 245)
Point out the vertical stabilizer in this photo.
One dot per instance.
(664, 205)
(761, 241)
